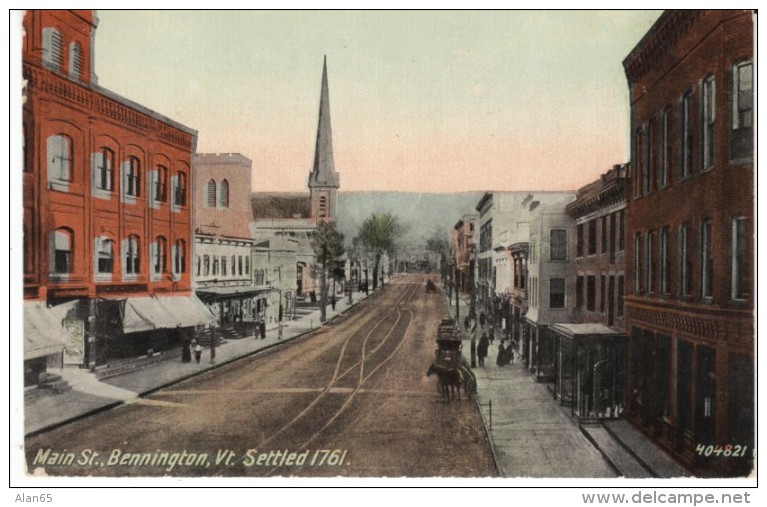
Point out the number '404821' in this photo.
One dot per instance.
(725, 451)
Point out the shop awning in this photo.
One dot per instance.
(168, 312)
(42, 332)
(210, 294)
(584, 330)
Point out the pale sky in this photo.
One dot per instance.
(437, 101)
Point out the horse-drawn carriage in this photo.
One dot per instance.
(453, 374)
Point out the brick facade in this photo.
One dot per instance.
(106, 183)
(689, 239)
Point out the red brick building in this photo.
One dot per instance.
(689, 239)
(106, 201)
(463, 252)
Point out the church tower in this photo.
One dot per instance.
(324, 181)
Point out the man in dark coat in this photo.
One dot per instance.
(484, 344)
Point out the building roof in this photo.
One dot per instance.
(279, 205)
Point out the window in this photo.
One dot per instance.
(247, 265)
(223, 266)
(323, 207)
(579, 292)
(206, 265)
(59, 158)
(709, 115)
(742, 110)
(604, 234)
(239, 265)
(557, 293)
(105, 255)
(52, 49)
(102, 170)
(645, 160)
(223, 194)
(215, 265)
(592, 237)
(622, 230)
(663, 149)
(132, 259)
(621, 288)
(199, 266)
(132, 177)
(591, 293)
(558, 244)
(160, 184)
(160, 256)
(602, 282)
(686, 135)
(613, 233)
(638, 168)
(741, 277)
(75, 61)
(63, 260)
(637, 264)
(579, 241)
(665, 263)
(179, 191)
(685, 263)
(707, 262)
(650, 262)
(210, 194)
(234, 263)
(179, 257)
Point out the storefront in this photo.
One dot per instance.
(589, 369)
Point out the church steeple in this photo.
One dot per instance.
(323, 180)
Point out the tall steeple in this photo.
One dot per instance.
(324, 181)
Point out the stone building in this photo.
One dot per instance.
(689, 239)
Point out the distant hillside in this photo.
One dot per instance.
(422, 213)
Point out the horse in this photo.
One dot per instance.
(449, 381)
(468, 380)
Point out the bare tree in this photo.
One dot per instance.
(328, 246)
(379, 234)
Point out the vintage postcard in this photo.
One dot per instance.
(485, 248)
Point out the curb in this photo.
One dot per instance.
(630, 451)
(178, 380)
(498, 468)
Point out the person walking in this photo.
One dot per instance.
(484, 344)
(197, 351)
(500, 360)
(186, 352)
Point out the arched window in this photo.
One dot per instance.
(132, 255)
(179, 257)
(132, 177)
(52, 49)
(161, 184)
(179, 191)
(59, 158)
(160, 256)
(103, 163)
(223, 194)
(105, 255)
(210, 194)
(63, 251)
(75, 61)
(206, 265)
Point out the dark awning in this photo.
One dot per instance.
(210, 294)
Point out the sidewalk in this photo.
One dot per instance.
(532, 436)
(90, 395)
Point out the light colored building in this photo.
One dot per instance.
(550, 277)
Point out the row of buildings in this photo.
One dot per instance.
(134, 244)
(634, 295)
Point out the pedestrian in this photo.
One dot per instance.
(262, 329)
(197, 351)
(473, 350)
(492, 334)
(484, 344)
(186, 352)
(500, 360)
